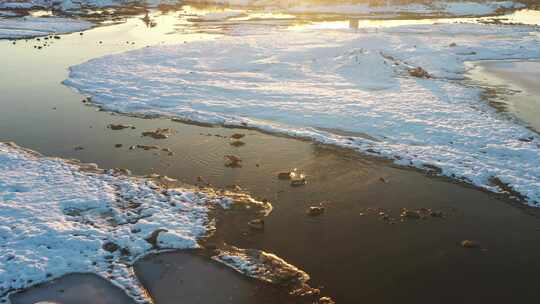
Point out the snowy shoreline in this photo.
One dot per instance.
(59, 217)
(12, 26)
(454, 8)
(436, 124)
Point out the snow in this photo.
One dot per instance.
(67, 5)
(8, 14)
(59, 217)
(437, 7)
(457, 8)
(220, 15)
(460, 8)
(303, 82)
(261, 265)
(26, 27)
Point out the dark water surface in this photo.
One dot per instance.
(350, 251)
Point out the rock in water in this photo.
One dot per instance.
(469, 244)
(315, 210)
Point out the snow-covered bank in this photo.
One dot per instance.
(59, 217)
(219, 16)
(61, 4)
(26, 27)
(303, 82)
(66, 5)
(455, 8)
(436, 8)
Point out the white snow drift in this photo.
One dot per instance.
(56, 218)
(26, 27)
(304, 82)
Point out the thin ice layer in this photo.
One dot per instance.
(303, 82)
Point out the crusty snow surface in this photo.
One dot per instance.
(307, 82)
(26, 27)
(56, 218)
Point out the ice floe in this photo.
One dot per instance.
(306, 82)
(26, 27)
(59, 217)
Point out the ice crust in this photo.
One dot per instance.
(301, 82)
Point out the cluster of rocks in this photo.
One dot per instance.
(159, 133)
(405, 214)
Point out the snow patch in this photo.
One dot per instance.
(303, 82)
(261, 265)
(26, 27)
(56, 218)
(220, 16)
(8, 13)
(457, 8)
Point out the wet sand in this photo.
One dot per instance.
(350, 251)
(517, 86)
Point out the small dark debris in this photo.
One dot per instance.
(419, 72)
(237, 143)
(237, 135)
(110, 247)
(315, 210)
(119, 126)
